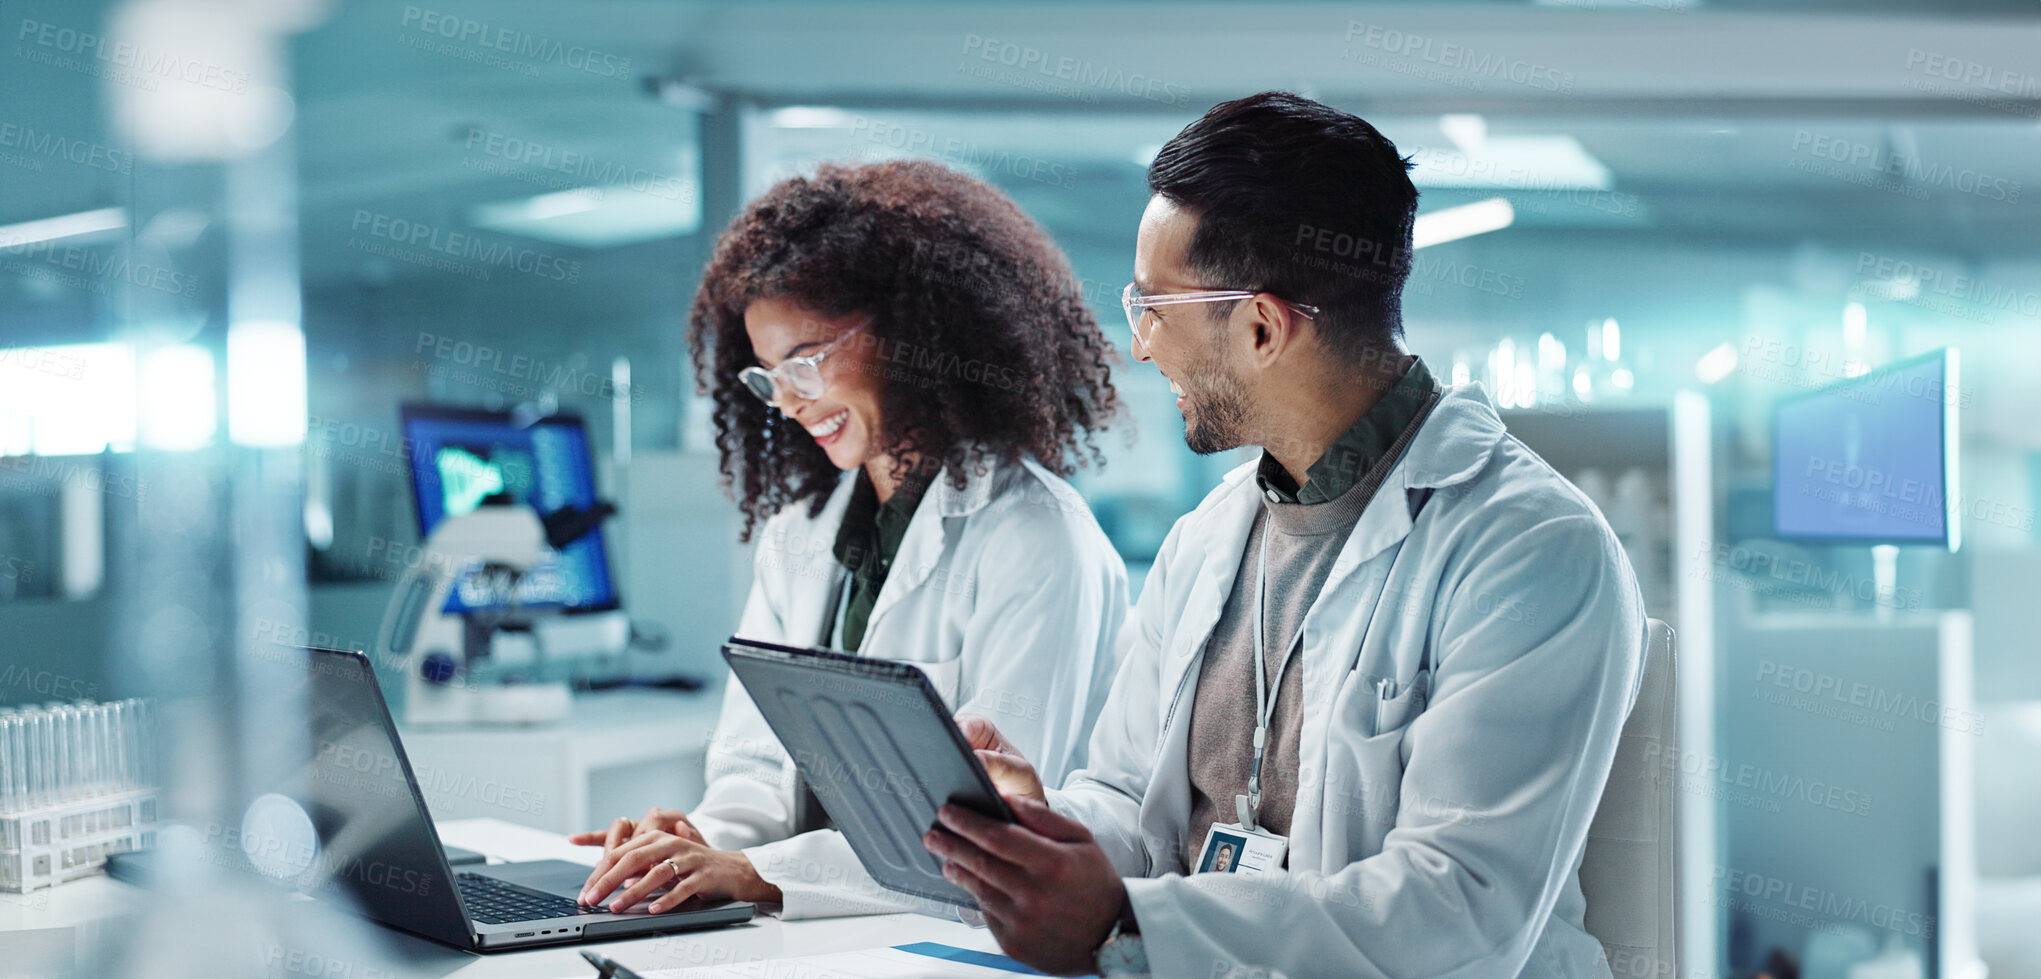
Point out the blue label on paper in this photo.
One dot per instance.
(989, 960)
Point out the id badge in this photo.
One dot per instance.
(1233, 849)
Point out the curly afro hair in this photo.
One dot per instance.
(987, 342)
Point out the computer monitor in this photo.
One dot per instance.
(460, 457)
(1871, 460)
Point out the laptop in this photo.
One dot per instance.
(371, 843)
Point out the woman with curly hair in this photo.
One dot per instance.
(903, 370)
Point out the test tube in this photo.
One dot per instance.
(10, 799)
(57, 747)
(32, 767)
(134, 720)
(41, 759)
(95, 738)
(88, 759)
(103, 736)
(67, 750)
(24, 760)
(84, 757)
(149, 726)
(42, 765)
(95, 748)
(79, 770)
(85, 751)
(24, 751)
(18, 760)
(117, 746)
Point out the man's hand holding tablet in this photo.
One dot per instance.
(1042, 883)
(881, 751)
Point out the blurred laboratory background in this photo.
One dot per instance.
(256, 257)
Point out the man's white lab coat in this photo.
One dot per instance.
(1440, 816)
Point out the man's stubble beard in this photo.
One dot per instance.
(1216, 410)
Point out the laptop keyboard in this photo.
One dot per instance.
(493, 902)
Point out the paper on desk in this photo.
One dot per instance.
(921, 960)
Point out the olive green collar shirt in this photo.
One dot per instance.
(1357, 449)
(867, 542)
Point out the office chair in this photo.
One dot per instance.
(1627, 869)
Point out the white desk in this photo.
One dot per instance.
(57, 932)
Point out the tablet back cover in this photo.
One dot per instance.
(879, 749)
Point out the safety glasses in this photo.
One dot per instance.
(1138, 305)
(800, 375)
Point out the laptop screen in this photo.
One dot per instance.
(370, 839)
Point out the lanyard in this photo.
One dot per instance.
(1247, 806)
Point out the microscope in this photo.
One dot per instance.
(452, 661)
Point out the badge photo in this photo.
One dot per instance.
(1232, 849)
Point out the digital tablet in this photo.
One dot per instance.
(876, 743)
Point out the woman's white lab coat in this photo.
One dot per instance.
(1006, 593)
(1440, 815)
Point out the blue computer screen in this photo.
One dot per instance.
(460, 458)
(1864, 460)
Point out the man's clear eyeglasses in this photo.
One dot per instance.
(800, 375)
(1138, 305)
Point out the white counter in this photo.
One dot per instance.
(67, 930)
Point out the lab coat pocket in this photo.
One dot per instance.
(1364, 776)
(1397, 704)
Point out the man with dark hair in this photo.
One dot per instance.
(1391, 657)
(1303, 201)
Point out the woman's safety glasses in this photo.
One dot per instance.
(800, 375)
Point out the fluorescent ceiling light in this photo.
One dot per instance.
(1716, 364)
(266, 384)
(599, 217)
(1467, 130)
(179, 403)
(682, 95)
(175, 227)
(809, 117)
(1509, 163)
(64, 226)
(75, 399)
(561, 204)
(1465, 221)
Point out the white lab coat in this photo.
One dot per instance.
(1438, 831)
(1006, 593)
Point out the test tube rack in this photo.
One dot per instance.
(77, 782)
(53, 844)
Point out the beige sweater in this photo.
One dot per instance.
(1307, 539)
